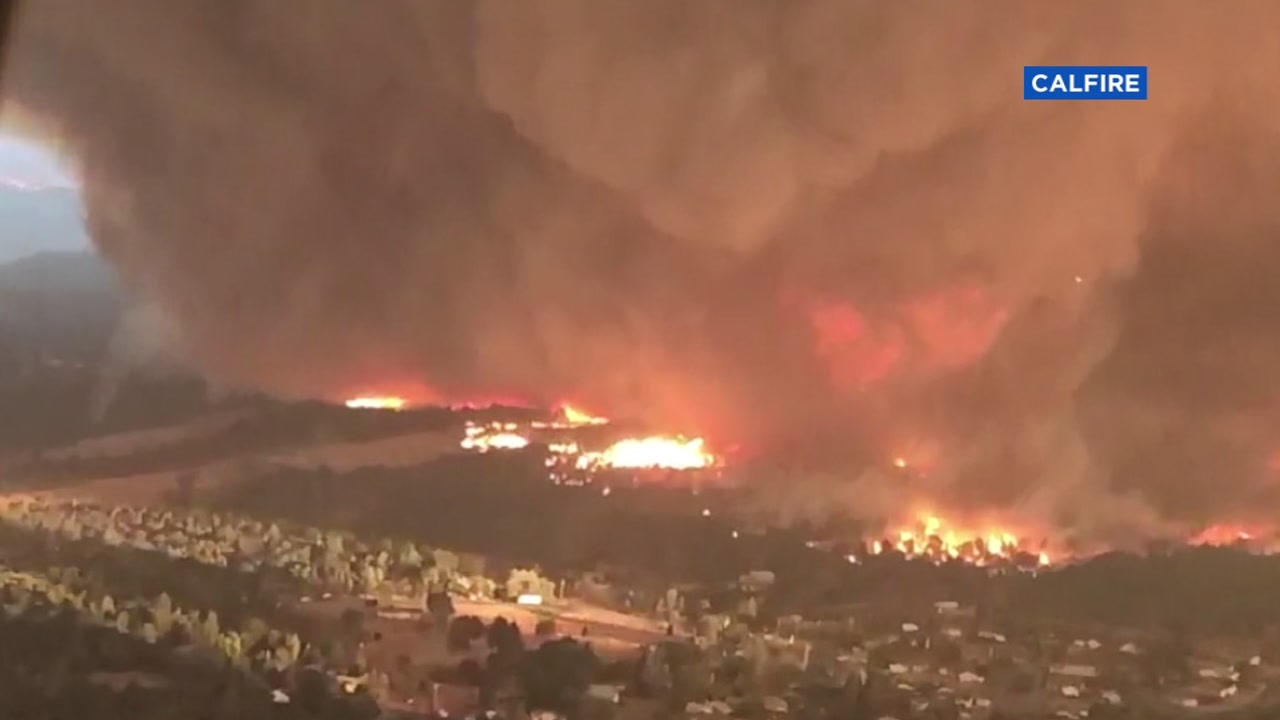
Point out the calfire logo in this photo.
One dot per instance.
(1080, 82)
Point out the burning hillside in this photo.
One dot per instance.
(571, 456)
(937, 540)
(583, 449)
(927, 536)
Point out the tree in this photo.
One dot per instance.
(440, 606)
(689, 670)
(209, 628)
(162, 613)
(255, 630)
(445, 561)
(351, 623)
(293, 644)
(504, 637)
(470, 564)
(409, 556)
(463, 631)
(521, 582)
(557, 675)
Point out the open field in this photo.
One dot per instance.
(398, 451)
(127, 443)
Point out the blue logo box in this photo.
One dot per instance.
(1084, 82)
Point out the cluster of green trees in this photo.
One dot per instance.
(286, 556)
(335, 561)
(658, 531)
(229, 576)
(67, 652)
(256, 647)
(224, 580)
(554, 676)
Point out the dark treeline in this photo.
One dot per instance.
(52, 407)
(55, 667)
(129, 573)
(267, 425)
(1203, 589)
(501, 504)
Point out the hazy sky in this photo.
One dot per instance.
(30, 164)
(31, 221)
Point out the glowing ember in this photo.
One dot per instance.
(494, 436)
(377, 403)
(672, 453)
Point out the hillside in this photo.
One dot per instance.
(56, 306)
(58, 312)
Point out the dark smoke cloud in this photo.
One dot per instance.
(804, 224)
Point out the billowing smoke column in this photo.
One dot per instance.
(827, 226)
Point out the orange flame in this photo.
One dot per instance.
(577, 418)
(1224, 534)
(674, 453)
(374, 402)
(494, 436)
(932, 538)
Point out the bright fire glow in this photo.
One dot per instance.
(1257, 537)
(577, 418)
(673, 453)
(659, 451)
(569, 418)
(377, 403)
(934, 539)
(494, 436)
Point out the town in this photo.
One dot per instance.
(393, 625)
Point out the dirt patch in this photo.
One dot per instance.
(121, 444)
(399, 451)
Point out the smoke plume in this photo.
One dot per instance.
(813, 226)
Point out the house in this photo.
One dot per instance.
(453, 700)
(605, 692)
(1071, 681)
(1078, 672)
(953, 612)
(1069, 708)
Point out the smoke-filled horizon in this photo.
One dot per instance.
(825, 227)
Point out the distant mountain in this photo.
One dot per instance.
(59, 306)
(57, 314)
(38, 218)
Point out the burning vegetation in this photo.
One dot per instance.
(570, 456)
(584, 449)
(935, 539)
(375, 402)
